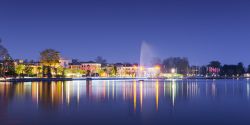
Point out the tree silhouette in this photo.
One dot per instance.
(181, 64)
(215, 64)
(4, 54)
(99, 59)
(49, 58)
(7, 64)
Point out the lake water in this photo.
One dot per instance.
(131, 102)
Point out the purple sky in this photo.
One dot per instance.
(202, 30)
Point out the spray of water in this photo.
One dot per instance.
(146, 55)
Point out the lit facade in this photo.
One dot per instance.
(92, 67)
(126, 71)
(65, 62)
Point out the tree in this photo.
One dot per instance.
(248, 69)
(100, 60)
(240, 69)
(156, 61)
(233, 70)
(28, 70)
(49, 58)
(73, 72)
(215, 64)
(4, 54)
(203, 70)
(19, 69)
(113, 71)
(61, 71)
(101, 72)
(7, 65)
(181, 64)
(228, 70)
(39, 69)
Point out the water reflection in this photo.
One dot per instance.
(136, 93)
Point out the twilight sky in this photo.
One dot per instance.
(202, 30)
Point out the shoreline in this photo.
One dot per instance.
(101, 78)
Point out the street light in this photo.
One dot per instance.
(173, 70)
(141, 68)
(157, 67)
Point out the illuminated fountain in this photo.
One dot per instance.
(146, 68)
(146, 54)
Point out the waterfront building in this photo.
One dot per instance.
(18, 61)
(109, 70)
(213, 71)
(90, 67)
(30, 68)
(36, 67)
(65, 62)
(126, 71)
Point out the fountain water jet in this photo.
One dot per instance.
(146, 56)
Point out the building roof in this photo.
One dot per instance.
(65, 58)
(80, 63)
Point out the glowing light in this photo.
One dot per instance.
(135, 67)
(157, 67)
(173, 70)
(157, 94)
(173, 92)
(108, 89)
(62, 92)
(104, 74)
(37, 94)
(52, 92)
(248, 88)
(104, 89)
(213, 89)
(134, 88)
(113, 90)
(68, 92)
(141, 68)
(141, 94)
(78, 92)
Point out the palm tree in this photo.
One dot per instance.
(49, 58)
(39, 71)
